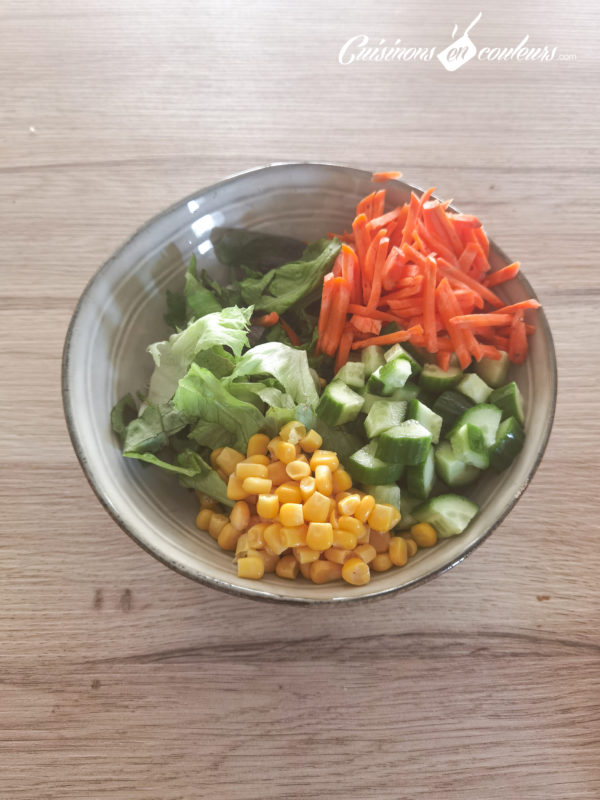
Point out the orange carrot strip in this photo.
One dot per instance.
(366, 325)
(517, 341)
(380, 260)
(449, 270)
(479, 320)
(523, 305)
(350, 265)
(481, 238)
(267, 320)
(384, 220)
(396, 236)
(381, 177)
(413, 288)
(489, 351)
(378, 203)
(369, 264)
(389, 338)
(372, 313)
(429, 306)
(446, 305)
(344, 348)
(365, 205)
(337, 265)
(362, 237)
(434, 244)
(411, 219)
(393, 268)
(292, 335)
(340, 291)
(434, 211)
(501, 275)
(326, 300)
(442, 358)
(467, 256)
(467, 220)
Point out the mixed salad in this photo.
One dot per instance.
(331, 402)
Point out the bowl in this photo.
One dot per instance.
(121, 312)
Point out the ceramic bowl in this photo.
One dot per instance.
(121, 312)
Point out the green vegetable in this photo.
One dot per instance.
(288, 365)
(421, 477)
(338, 404)
(509, 400)
(428, 418)
(366, 467)
(474, 388)
(435, 380)
(509, 443)
(236, 247)
(199, 299)
(352, 374)
(385, 493)
(372, 357)
(449, 514)
(407, 443)
(484, 416)
(451, 469)
(150, 432)
(383, 415)
(493, 371)
(122, 413)
(468, 446)
(389, 377)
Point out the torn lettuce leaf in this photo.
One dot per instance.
(287, 365)
(150, 432)
(276, 418)
(199, 299)
(123, 412)
(239, 247)
(211, 434)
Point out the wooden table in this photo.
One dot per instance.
(118, 678)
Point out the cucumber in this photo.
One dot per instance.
(509, 400)
(450, 514)
(384, 414)
(352, 374)
(428, 418)
(389, 377)
(435, 380)
(372, 358)
(338, 404)
(474, 388)
(365, 467)
(407, 443)
(421, 477)
(493, 372)
(407, 392)
(484, 416)
(451, 470)
(407, 504)
(468, 446)
(385, 493)
(509, 443)
(451, 405)
(397, 351)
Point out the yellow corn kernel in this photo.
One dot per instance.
(319, 536)
(366, 505)
(334, 518)
(306, 555)
(245, 470)
(317, 508)
(381, 563)
(346, 540)
(311, 442)
(276, 473)
(257, 459)
(251, 567)
(307, 487)
(290, 514)
(337, 555)
(364, 537)
(289, 493)
(398, 551)
(351, 524)
(240, 515)
(325, 571)
(217, 522)
(356, 572)
(348, 504)
(241, 546)
(274, 538)
(267, 506)
(294, 537)
(380, 518)
(228, 459)
(342, 481)
(203, 518)
(424, 534)
(324, 457)
(287, 567)
(293, 432)
(285, 451)
(256, 535)
(305, 569)
(380, 540)
(411, 546)
(257, 445)
(214, 455)
(257, 485)
(297, 470)
(205, 500)
(300, 456)
(269, 559)
(323, 480)
(365, 551)
(228, 536)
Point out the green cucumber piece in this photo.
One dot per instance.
(421, 477)
(451, 470)
(352, 374)
(492, 371)
(468, 446)
(385, 493)
(389, 377)
(484, 416)
(474, 388)
(372, 358)
(435, 380)
(407, 443)
(428, 418)
(449, 514)
(509, 400)
(338, 404)
(407, 504)
(509, 443)
(397, 351)
(407, 392)
(384, 414)
(451, 405)
(365, 467)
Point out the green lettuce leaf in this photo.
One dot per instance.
(151, 430)
(276, 418)
(238, 247)
(199, 299)
(123, 412)
(287, 365)
(211, 434)
(175, 315)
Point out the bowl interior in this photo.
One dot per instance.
(121, 313)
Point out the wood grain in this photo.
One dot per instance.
(122, 680)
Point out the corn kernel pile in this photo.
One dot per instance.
(296, 512)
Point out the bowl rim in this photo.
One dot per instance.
(250, 592)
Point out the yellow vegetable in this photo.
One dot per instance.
(267, 506)
(257, 445)
(319, 536)
(311, 442)
(398, 551)
(424, 534)
(287, 567)
(325, 571)
(251, 567)
(356, 572)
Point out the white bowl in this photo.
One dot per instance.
(121, 312)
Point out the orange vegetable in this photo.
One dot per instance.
(381, 177)
(389, 338)
(291, 333)
(500, 276)
(267, 320)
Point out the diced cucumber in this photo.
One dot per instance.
(407, 443)
(372, 358)
(389, 377)
(449, 514)
(421, 477)
(428, 418)
(435, 380)
(452, 470)
(352, 374)
(468, 446)
(509, 443)
(474, 388)
(384, 414)
(509, 400)
(385, 493)
(365, 467)
(407, 392)
(397, 351)
(407, 503)
(451, 405)
(484, 416)
(338, 404)
(492, 371)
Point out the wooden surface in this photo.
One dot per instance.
(118, 678)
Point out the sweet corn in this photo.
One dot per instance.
(356, 572)
(307, 487)
(287, 567)
(305, 554)
(269, 559)
(251, 567)
(411, 546)
(257, 459)
(290, 515)
(311, 442)
(274, 539)
(272, 445)
(398, 551)
(424, 534)
(257, 485)
(235, 490)
(257, 445)
(228, 536)
(267, 506)
(294, 537)
(348, 504)
(205, 500)
(366, 505)
(380, 540)
(364, 537)
(324, 457)
(351, 524)
(276, 473)
(297, 469)
(323, 480)
(346, 540)
(289, 492)
(317, 508)
(337, 555)
(214, 455)
(240, 515)
(319, 536)
(228, 459)
(342, 481)
(381, 517)
(325, 571)
(381, 563)
(242, 547)
(216, 524)
(305, 569)
(293, 432)
(245, 470)
(285, 451)
(203, 518)
(334, 518)
(256, 536)
(365, 551)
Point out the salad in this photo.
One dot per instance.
(330, 404)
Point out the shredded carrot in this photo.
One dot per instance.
(344, 348)
(517, 341)
(267, 320)
(389, 338)
(291, 333)
(500, 276)
(442, 358)
(340, 291)
(429, 306)
(378, 266)
(381, 177)
(479, 320)
(523, 305)
(373, 313)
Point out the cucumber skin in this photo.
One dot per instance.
(435, 380)
(378, 472)
(423, 414)
(509, 444)
(328, 406)
(372, 358)
(493, 372)
(398, 445)
(509, 400)
(436, 511)
(444, 457)
(447, 407)
(416, 477)
(395, 409)
(468, 446)
(466, 417)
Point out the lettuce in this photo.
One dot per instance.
(287, 365)
(151, 430)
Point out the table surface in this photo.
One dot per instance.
(121, 679)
